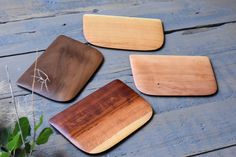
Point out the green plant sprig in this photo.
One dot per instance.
(19, 142)
(11, 143)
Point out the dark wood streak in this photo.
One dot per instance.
(93, 107)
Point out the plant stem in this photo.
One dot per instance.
(14, 103)
(32, 97)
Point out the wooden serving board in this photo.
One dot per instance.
(123, 32)
(103, 118)
(173, 75)
(62, 70)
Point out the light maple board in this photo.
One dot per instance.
(62, 70)
(123, 32)
(173, 75)
(104, 118)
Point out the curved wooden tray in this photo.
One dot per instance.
(103, 118)
(62, 70)
(173, 75)
(123, 32)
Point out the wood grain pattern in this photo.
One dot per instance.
(123, 32)
(62, 70)
(173, 75)
(103, 118)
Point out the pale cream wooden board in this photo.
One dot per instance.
(173, 75)
(123, 32)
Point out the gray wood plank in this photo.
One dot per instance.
(191, 42)
(187, 131)
(176, 133)
(37, 34)
(182, 14)
(13, 10)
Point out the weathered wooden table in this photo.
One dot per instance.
(181, 126)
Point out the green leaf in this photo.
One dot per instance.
(39, 123)
(4, 136)
(14, 143)
(25, 127)
(4, 154)
(44, 136)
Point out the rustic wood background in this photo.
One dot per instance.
(181, 126)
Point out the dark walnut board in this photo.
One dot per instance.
(62, 70)
(104, 118)
(173, 75)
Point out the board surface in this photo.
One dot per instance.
(62, 70)
(123, 32)
(173, 75)
(103, 118)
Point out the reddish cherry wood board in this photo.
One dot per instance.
(62, 70)
(103, 118)
(120, 32)
(173, 75)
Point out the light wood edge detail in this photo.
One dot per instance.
(127, 17)
(134, 78)
(122, 133)
(139, 55)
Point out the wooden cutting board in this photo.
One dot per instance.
(123, 32)
(104, 118)
(62, 70)
(173, 75)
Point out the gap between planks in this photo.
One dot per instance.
(166, 33)
(222, 148)
(199, 27)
